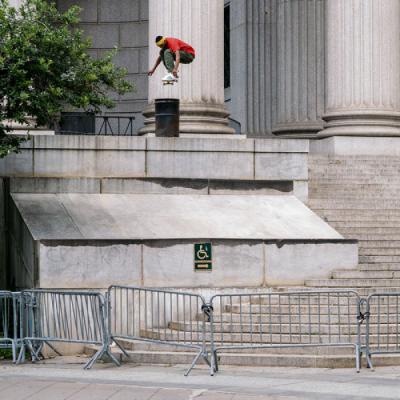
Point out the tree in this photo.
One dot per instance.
(44, 66)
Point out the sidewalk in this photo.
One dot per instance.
(63, 378)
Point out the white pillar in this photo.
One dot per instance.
(298, 68)
(201, 83)
(363, 68)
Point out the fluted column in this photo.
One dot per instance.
(298, 70)
(201, 84)
(363, 68)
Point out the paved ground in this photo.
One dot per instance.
(64, 378)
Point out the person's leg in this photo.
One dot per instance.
(186, 58)
(167, 58)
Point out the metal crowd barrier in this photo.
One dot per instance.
(10, 322)
(63, 316)
(382, 324)
(157, 316)
(287, 319)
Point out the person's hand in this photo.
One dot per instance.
(151, 72)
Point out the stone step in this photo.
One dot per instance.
(272, 339)
(354, 274)
(379, 267)
(379, 244)
(286, 309)
(361, 290)
(294, 328)
(365, 224)
(151, 346)
(379, 259)
(254, 360)
(350, 283)
(373, 251)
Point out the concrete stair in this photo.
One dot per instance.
(359, 197)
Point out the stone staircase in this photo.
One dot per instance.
(360, 197)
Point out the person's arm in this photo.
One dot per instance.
(151, 72)
(177, 61)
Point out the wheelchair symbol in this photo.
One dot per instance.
(201, 253)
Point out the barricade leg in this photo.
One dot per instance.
(104, 350)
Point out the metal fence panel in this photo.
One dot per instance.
(10, 321)
(64, 316)
(157, 316)
(285, 319)
(382, 324)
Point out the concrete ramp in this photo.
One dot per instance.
(152, 217)
(94, 240)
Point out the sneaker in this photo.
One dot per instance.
(169, 78)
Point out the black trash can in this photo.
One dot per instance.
(167, 117)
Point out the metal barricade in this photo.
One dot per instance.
(157, 316)
(285, 319)
(382, 324)
(64, 316)
(10, 322)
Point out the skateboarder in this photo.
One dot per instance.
(173, 52)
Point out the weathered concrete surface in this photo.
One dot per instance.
(93, 240)
(93, 216)
(83, 156)
(291, 263)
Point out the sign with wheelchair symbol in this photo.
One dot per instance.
(202, 257)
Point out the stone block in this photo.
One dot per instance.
(281, 166)
(90, 142)
(200, 165)
(201, 144)
(127, 58)
(89, 8)
(119, 11)
(17, 164)
(134, 34)
(144, 60)
(89, 265)
(294, 262)
(144, 10)
(154, 186)
(238, 264)
(282, 145)
(353, 146)
(54, 185)
(140, 83)
(89, 163)
(103, 36)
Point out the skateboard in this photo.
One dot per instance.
(169, 80)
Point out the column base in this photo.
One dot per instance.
(361, 124)
(298, 129)
(195, 120)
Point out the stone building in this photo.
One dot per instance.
(295, 98)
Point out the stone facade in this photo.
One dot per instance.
(123, 24)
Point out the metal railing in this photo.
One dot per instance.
(64, 316)
(382, 317)
(34, 318)
(112, 124)
(157, 316)
(287, 319)
(10, 326)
